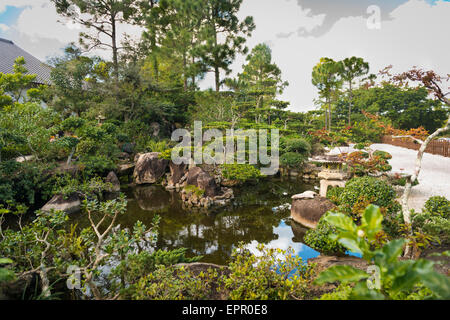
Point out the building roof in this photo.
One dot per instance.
(8, 54)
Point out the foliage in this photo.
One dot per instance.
(25, 183)
(172, 283)
(267, 276)
(292, 159)
(359, 192)
(394, 278)
(340, 293)
(240, 172)
(435, 226)
(333, 194)
(363, 163)
(195, 190)
(13, 86)
(319, 239)
(6, 274)
(438, 206)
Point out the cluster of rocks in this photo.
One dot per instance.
(71, 203)
(151, 169)
(308, 173)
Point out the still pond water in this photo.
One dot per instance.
(259, 214)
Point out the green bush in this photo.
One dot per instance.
(359, 192)
(73, 123)
(317, 149)
(438, 206)
(319, 239)
(97, 165)
(26, 183)
(292, 159)
(266, 276)
(437, 227)
(298, 146)
(240, 172)
(382, 154)
(334, 193)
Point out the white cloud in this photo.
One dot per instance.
(3, 27)
(39, 23)
(21, 3)
(413, 37)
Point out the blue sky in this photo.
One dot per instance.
(299, 33)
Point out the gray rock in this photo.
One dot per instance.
(149, 168)
(114, 181)
(70, 205)
(308, 211)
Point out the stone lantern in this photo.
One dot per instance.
(100, 118)
(332, 174)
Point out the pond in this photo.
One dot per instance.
(259, 214)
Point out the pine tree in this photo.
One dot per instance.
(222, 35)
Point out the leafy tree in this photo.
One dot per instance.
(103, 17)
(353, 68)
(73, 77)
(407, 108)
(326, 77)
(14, 85)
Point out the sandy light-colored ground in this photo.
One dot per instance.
(434, 178)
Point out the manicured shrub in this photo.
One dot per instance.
(97, 165)
(438, 206)
(292, 159)
(437, 227)
(334, 193)
(298, 145)
(360, 192)
(266, 276)
(382, 154)
(240, 172)
(320, 239)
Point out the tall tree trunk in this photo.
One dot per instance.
(350, 106)
(114, 48)
(185, 76)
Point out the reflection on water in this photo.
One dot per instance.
(252, 219)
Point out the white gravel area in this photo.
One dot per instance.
(434, 178)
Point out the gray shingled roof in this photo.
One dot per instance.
(9, 52)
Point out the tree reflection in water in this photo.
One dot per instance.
(215, 233)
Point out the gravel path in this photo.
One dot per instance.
(434, 178)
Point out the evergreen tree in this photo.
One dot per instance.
(101, 16)
(353, 68)
(222, 35)
(326, 77)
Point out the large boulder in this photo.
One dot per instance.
(201, 179)
(70, 204)
(308, 208)
(149, 168)
(114, 181)
(177, 172)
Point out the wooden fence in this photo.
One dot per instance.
(441, 148)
